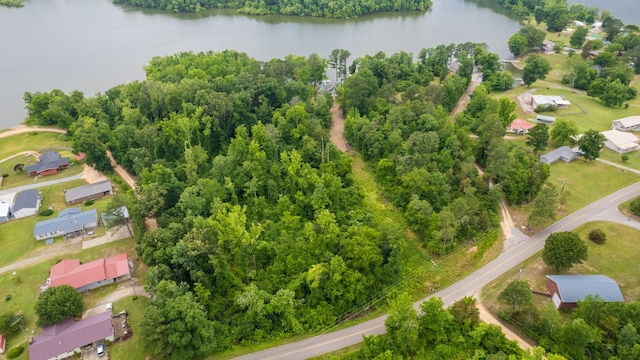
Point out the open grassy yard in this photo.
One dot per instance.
(23, 287)
(132, 347)
(615, 258)
(587, 182)
(633, 158)
(33, 141)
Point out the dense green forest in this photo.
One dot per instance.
(319, 8)
(262, 230)
(12, 3)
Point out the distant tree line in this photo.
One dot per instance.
(318, 8)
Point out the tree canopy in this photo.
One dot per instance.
(58, 303)
(321, 8)
(562, 250)
(590, 143)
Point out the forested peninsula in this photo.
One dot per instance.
(316, 8)
(263, 232)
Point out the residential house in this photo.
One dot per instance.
(3, 343)
(621, 142)
(567, 290)
(70, 221)
(553, 101)
(48, 163)
(88, 192)
(26, 203)
(5, 210)
(519, 126)
(65, 338)
(563, 153)
(94, 274)
(546, 119)
(579, 23)
(630, 123)
(326, 86)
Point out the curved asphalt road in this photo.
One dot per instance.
(603, 209)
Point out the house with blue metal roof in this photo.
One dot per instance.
(70, 222)
(567, 290)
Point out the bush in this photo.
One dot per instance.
(45, 212)
(88, 202)
(5, 175)
(8, 297)
(597, 236)
(634, 206)
(15, 352)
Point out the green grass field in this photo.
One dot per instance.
(33, 141)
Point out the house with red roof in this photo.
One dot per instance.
(84, 277)
(63, 339)
(3, 343)
(519, 126)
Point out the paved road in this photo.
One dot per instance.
(603, 209)
(37, 185)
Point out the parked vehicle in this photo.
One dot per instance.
(100, 349)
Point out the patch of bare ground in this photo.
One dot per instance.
(337, 128)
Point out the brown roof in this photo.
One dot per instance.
(67, 335)
(71, 272)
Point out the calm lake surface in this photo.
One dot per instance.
(92, 45)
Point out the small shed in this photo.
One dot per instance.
(3, 343)
(546, 119)
(567, 290)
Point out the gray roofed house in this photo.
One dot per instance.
(88, 192)
(563, 153)
(66, 337)
(26, 203)
(69, 221)
(48, 163)
(567, 290)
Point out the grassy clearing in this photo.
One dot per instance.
(633, 160)
(584, 183)
(33, 141)
(132, 347)
(616, 259)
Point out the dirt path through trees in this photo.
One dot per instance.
(22, 128)
(337, 127)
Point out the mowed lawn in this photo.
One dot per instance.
(586, 182)
(131, 348)
(615, 258)
(33, 141)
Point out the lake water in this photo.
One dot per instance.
(92, 45)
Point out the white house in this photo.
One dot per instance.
(26, 203)
(554, 101)
(631, 123)
(620, 141)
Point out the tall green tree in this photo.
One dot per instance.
(563, 132)
(517, 296)
(544, 205)
(538, 137)
(578, 37)
(536, 68)
(58, 303)
(591, 143)
(562, 250)
(518, 44)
